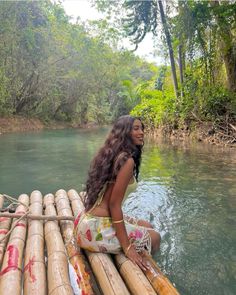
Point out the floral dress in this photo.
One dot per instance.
(97, 234)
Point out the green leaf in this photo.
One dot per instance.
(99, 237)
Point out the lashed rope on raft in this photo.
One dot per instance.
(27, 214)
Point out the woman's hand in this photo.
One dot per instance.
(133, 255)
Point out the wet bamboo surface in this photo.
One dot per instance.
(5, 224)
(34, 264)
(12, 266)
(39, 254)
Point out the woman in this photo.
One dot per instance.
(102, 227)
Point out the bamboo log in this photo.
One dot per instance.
(1, 201)
(107, 274)
(157, 279)
(86, 282)
(11, 271)
(133, 276)
(102, 265)
(34, 270)
(58, 278)
(5, 224)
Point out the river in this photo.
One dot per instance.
(188, 193)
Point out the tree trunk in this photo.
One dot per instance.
(169, 44)
(181, 51)
(227, 47)
(230, 65)
(181, 69)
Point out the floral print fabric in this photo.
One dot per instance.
(97, 234)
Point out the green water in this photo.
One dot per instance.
(188, 194)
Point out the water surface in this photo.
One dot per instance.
(188, 194)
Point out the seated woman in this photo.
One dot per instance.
(102, 227)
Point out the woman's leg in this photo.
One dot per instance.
(155, 236)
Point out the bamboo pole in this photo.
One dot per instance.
(1, 201)
(102, 265)
(37, 217)
(34, 270)
(11, 271)
(157, 279)
(133, 276)
(5, 224)
(58, 278)
(85, 281)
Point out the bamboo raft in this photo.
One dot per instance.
(39, 255)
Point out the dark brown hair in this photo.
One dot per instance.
(117, 148)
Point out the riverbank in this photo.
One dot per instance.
(208, 132)
(223, 134)
(23, 124)
(19, 124)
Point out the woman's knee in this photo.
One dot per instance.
(155, 236)
(144, 223)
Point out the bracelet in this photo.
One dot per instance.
(118, 221)
(127, 249)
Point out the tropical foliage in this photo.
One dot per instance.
(57, 70)
(199, 38)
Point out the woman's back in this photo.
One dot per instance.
(101, 206)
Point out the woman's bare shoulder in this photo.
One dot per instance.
(130, 161)
(128, 166)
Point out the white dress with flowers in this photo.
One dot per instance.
(97, 234)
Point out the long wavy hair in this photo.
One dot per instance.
(105, 166)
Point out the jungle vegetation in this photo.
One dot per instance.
(198, 39)
(54, 69)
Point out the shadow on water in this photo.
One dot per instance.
(187, 192)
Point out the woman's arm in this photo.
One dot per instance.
(115, 202)
(122, 180)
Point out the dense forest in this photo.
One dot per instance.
(53, 69)
(56, 70)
